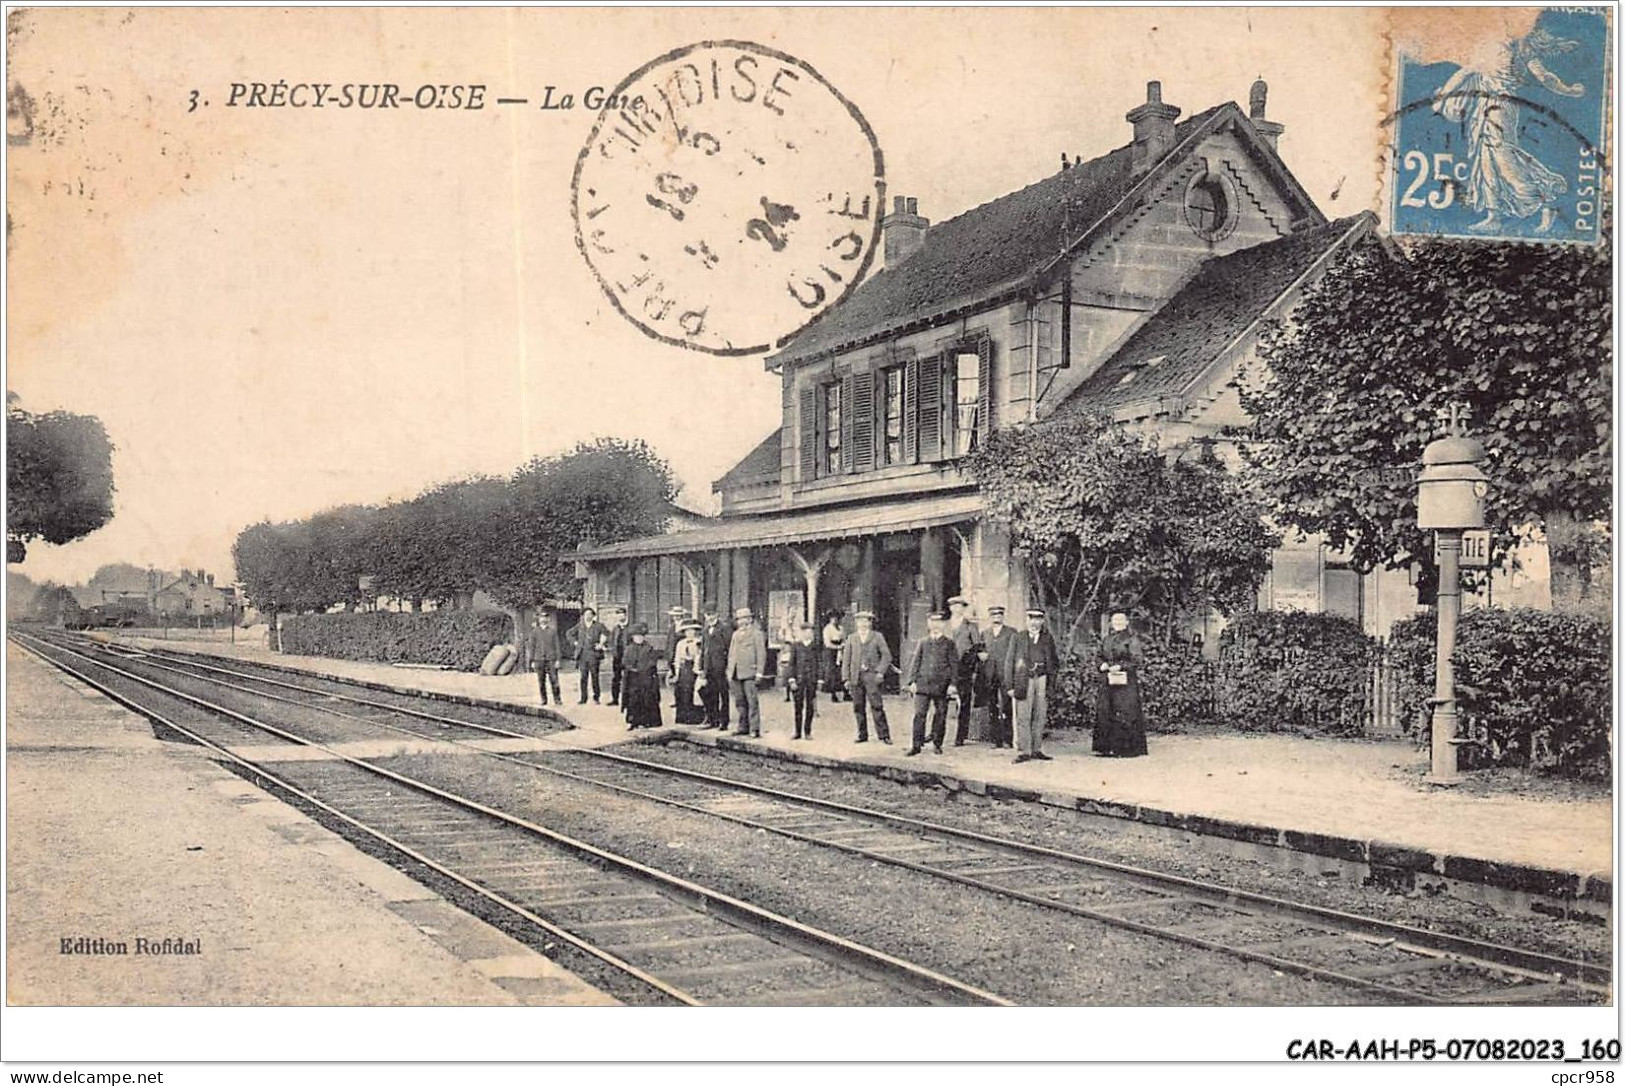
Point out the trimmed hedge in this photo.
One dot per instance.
(1533, 687)
(1295, 671)
(457, 639)
(1176, 688)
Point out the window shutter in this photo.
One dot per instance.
(809, 434)
(861, 404)
(984, 386)
(930, 399)
(846, 422)
(911, 428)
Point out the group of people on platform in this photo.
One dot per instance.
(717, 668)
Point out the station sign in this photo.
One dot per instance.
(1475, 548)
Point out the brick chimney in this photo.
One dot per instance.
(903, 231)
(1153, 128)
(1256, 100)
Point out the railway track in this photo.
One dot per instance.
(1392, 961)
(646, 935)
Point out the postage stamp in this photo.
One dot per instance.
(1500, 133)
(727, 195)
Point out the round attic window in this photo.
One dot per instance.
(1210, 206)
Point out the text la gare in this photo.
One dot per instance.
(596, 98)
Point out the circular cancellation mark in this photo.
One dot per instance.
(727, 196)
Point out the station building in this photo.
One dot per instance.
(1134, 283)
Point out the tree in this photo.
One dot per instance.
(1382, 344)
(1103, 518)
(340, 553)
(59, 477)
(599, 492)
(273, 563)
(438, 545)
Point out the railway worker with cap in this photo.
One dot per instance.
(617, 644)
(931, 675)
(1033, 661)
(642, 689)
(592, 641)
(747, 665)
(802, 665)
(715, 639)
(865, 659)
(688, 674)
(542, 654)
(965, 636)
(996, 639)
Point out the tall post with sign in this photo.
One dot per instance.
(1449, 501)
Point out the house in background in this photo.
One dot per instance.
(1134, 284)
(190, 594)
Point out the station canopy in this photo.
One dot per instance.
(776, 529)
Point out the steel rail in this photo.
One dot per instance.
(1595, 978)
(848, 952)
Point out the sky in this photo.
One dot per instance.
(275, 311)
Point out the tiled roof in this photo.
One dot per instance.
(1225, 296)
(760, 465)
(990, 249)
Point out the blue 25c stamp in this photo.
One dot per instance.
(1506, 143)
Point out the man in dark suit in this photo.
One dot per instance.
(996, 638)
(1032, 665)
(965, 636)
(803, 666)
(747, 666)
(865, 659)
(715, 639)
(617, 645)
(542, 655)
(592, 641)
(931, 675)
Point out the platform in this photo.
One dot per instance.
(115, 836)
(1362, 802)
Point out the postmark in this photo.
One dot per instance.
(1499, 127)
(727, 195)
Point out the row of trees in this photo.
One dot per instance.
(513, 537)
(1380, 345)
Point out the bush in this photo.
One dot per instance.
(1291, 671)
(1410, 663)
(1176, 688)
(457, 639)
(1533, 687)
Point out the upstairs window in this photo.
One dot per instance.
(892, 399)
(832, 429)
(967, 385)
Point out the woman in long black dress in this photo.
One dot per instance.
(641, 680)
(1120, 727)
(833, 638)
(689, 711)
